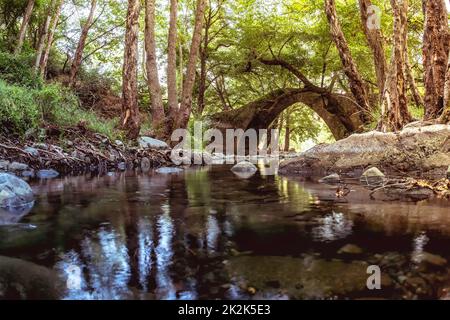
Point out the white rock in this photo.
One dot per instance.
(150, 143)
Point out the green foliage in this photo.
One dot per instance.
(17, 70)
(22, 109)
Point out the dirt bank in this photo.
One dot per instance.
(417, 151)
(74, 150)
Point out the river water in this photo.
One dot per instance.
(208, 234)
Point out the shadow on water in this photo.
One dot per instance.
(206, 234)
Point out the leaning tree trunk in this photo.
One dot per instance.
(81, 43)
(188, 84)
(130, 110)
(395, 112)
(375, 40)
(23, 26)
(157, 106)
(351, 71)
(172, 91)
(44, 60)
(43, 37)
(435, 56)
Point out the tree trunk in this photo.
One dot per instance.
(23, 26)
(43, 36)
(435, 56)
(203, 60)
(44, 60)
(412, 83)
(81, 43)
(172, 90)
(130, 109)
(157, 106)
(287, 136)
(395, 112)
(355, 80)
(375, 41)
(446, 114)
(188, 84)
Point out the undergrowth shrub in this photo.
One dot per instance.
(23, 108)
(17, 69)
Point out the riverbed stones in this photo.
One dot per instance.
(409, 151)
(145, 164)
(307, 277)
(4, 164)
(331, 179)
(47, 174)
(32, 151)
(122, 166)
(372, 177)
(244, 166)
(169, 170)
(14, 192)
(350, 249)
(432, 259)
(17, 166)
(151, 143)
(244, 169)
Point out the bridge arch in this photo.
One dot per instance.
(341, 114)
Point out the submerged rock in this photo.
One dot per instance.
(244, 166)
(308, 277)
(169, 170)
(244, 169)
(47, 174)
(21, 279)
(150, 143)
(350, 249)
(331, 179)
(12, 215)
(432, 259)
(372, 177)
(14, 192)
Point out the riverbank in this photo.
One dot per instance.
(79, 151)
(417, 151)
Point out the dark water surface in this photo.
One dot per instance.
(207, 234)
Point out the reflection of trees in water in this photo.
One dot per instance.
(149, 250)
(333, 227)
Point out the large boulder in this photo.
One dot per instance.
(150, 143)
(14, 192)
(414, 150)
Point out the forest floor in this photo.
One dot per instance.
(74, 150)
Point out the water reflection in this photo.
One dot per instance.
(208, 234)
